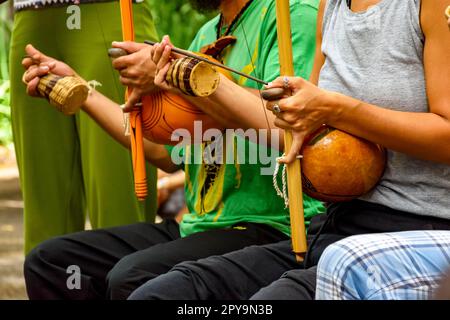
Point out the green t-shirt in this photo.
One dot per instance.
(221, 195)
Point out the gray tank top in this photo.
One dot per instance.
(377, 56)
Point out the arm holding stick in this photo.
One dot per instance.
(105, 112)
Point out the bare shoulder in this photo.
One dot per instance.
(432, 17)
(436, 55)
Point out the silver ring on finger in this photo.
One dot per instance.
(276, 109)
(286, 82)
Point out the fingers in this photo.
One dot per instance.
(280, 107)
(165, 58)
(293, 83)
(131, 73)
(297, 143)
(35, 72)
(270, 106)
(273, 94)
(125, 81)
(167, 41)
(160, 78)
(126, 61)
(36, 54)
(133, 99)
(158, 50)
(296, 146)
(280, 123)
(174, 55)
(32, 87)
(129, 46)
(36, 58)
(121, 63)
(27, 62)
(51, 65)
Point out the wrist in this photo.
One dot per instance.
(92, 95)
(338, 105)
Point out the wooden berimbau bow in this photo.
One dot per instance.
(136, 137)
(295, 194)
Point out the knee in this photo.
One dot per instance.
(297, 284)
(332, 259)
(44, 268)
(32, 260)
(174, 285)
(278, 290)
(43, 257)
(185, 281)
(346, 271)
(121, 279)
(130, 272)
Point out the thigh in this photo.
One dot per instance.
(235, 275)
(161, 258)
(93, 253)
(96, 252)
(403, 265)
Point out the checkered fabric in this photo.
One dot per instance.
(388, 266)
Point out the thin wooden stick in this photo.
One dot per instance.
(136, 135)
(219, 65)
(296, 211)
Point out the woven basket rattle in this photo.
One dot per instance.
(67, 93)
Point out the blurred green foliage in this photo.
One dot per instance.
(5, 115)
(5, 36)
(178, 19)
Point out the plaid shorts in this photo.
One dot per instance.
(388, 266)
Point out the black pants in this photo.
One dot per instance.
(270, 272)
(114, 262)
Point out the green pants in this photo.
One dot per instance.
(68, 165)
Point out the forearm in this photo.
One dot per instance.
(236, 107)
(109, 116)
(233, 106)
(422, 135)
